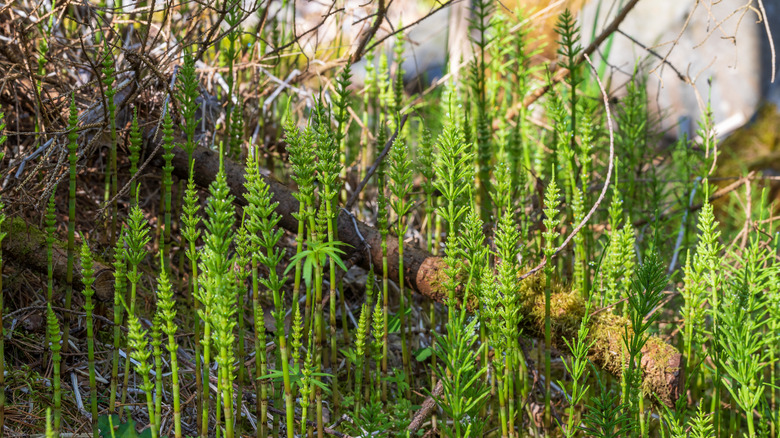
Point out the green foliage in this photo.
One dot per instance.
(54, 335)
(187, 94)
(478, 166)
(113, 427)
(87, 277)
(316, 256)
(464, 393)
(605, 415)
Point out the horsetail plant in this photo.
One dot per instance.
(224, 322)
(580, 279)
(167, 181)
(452, 167)
(328, 169)
(306, 387)
(475, 253)
(73, 146)
(579, 348)
(233, 17)
(262, 222)
(297, 338)
(400, 186)
(300, 146)
(341, 114)
(605, 415)
(135, 152)
(550, 236)
(191, 233)
(520, 83)
(313, 259)
(473, 250)
(50, 431)
(570, 49)
(187, 93)
(166, 308)
(136, 238)
(261, 371)
(55, 345)
(696, 271)
(139, 351)
(398, 82)
(254, 221)
(463, 395)
(217, 294)
(507, 239)
(425, 159)
(243, 259)
(382, 221)
(490, 304)
(644, 296)
(156, 336)
(87, 275)
(479, 25)
(120, 286)
(745, 346)
(51, 227)
(385, 92)
(342, 118)
(360, 352)
(377, 328)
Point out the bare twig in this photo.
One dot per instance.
(606, 182)
(410, 25)
(380, 16)
(765, 19)
(679, 74)
(719, 194)
(326, 429)
(426, 409)
(375, 166)
(561, 73)
(61, 310)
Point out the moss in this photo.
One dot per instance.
(566, 308)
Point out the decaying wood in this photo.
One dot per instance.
(25, 246)
(661, 363)
(426, 409)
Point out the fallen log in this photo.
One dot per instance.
(661, 362)
(25, 246)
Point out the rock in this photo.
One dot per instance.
(716, 43)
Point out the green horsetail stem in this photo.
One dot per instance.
(120, 287)
(87, 275)
(55, 344)
(166, 306)
(551, 211)
(139, 351)
(73, 137)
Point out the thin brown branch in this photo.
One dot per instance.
(561, 73)
(380, 16)
(606, 182)
(375, 166)
(425, 410)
